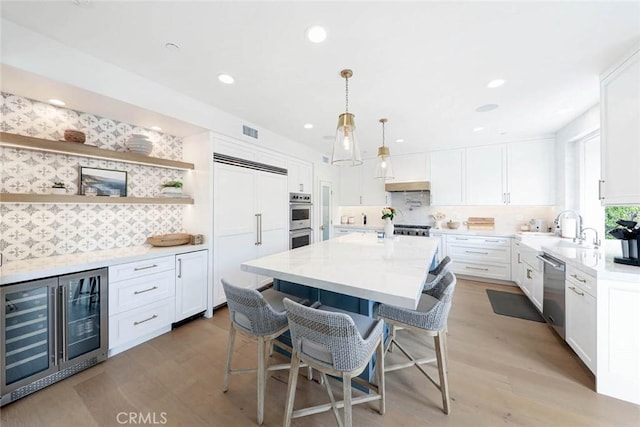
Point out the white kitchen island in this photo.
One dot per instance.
(358, 265)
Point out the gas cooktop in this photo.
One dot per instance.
(411, 230)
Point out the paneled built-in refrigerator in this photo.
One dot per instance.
(51, 329)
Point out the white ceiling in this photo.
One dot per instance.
(423, 65)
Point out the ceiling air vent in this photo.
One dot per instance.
(246, 130)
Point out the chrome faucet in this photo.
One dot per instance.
(596, 241)
(579, 230)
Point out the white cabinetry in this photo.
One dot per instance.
(191, 284)
(519, 173)
(410, 167)
(516, 262)
(250, 220)
(342, 231)
(358, 186)
(532, 275)
(141, 301)
(620, 134)
(580, 314)
(480, 256)
(447, 177)
(442, 244)
(300, 176)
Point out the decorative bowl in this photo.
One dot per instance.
(453, 224)
(140, 146)
(71, 135)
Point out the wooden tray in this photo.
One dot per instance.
(175, 239)
(479, 223)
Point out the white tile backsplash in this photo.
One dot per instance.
(33, 230)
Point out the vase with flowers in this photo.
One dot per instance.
(438, 217)
(387, 214)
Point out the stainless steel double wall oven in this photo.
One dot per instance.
(300, 208)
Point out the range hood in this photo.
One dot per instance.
(408, 186)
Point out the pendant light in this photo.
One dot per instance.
(345, 146)
(384, 169)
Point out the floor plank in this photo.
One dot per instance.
(502, 371)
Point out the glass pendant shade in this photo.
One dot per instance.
(346, 151)
(384, 169)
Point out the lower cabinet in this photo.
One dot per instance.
(580, 316)
(146, 297)
(531, 276)
(191, 284)
(480, 256)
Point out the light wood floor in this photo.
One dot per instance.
(502, 371)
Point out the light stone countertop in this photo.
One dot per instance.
(595, 262)
(390, 271)
(38, 268)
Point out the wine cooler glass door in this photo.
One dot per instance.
(28, 327)
(84, 327)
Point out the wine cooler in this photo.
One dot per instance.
(51, 329)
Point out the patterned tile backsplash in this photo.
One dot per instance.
(39, 230)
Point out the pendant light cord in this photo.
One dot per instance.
(346, 87)
(383, 134)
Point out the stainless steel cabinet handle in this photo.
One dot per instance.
(155, 316)
(461, 238)
(476, 268)
(529, 271)
(477, 252)
(179, 268)
(578, 278)
(491, 241)
(600, 196)
(546, 261)
(508, 197)
(260, 224)
(257, 229)
(301, 188)
(53, 324)
(145, 268)
(519, 261)
(63, 302)
(573, 288)
(145, 290)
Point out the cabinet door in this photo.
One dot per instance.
(372, 188)
(191, 284)
(485, 175)
(537, 289)
(581, 323)
(620, 109)
(234, 200)
(228, 253)
(531, 173)
(272, 201)
(350, 186)
(447, 177)
(410, 167)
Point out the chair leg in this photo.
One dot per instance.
(346, 387)
(291, 388)
(442, 370)
(227, 370)
(380, 375)
(262, 378)
(393, 338)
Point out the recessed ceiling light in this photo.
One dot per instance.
(158, 128)
(308, 126)
(316, 34)
(495, 83)
(171, 46)
(399, 140)
(56, 102)
(486, 107)
(226, 79)
(478, 128)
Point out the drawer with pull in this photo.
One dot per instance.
(500, 272)
(484, 241)
(131, 325)
(141, 268)
(485, 254)
(139, 291)
(584, 281)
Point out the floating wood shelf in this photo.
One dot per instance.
(54, 198)
(30, 143)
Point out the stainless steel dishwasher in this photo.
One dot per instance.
(553, 296)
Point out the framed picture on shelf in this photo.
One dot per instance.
(102, 182)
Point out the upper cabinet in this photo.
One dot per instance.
(358, 186)
(620, 133)
(447, 177)
(410, 167)
(519, 173)
(300, 176)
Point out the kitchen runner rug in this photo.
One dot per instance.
(514, 305)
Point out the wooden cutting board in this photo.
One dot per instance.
(480, 223)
